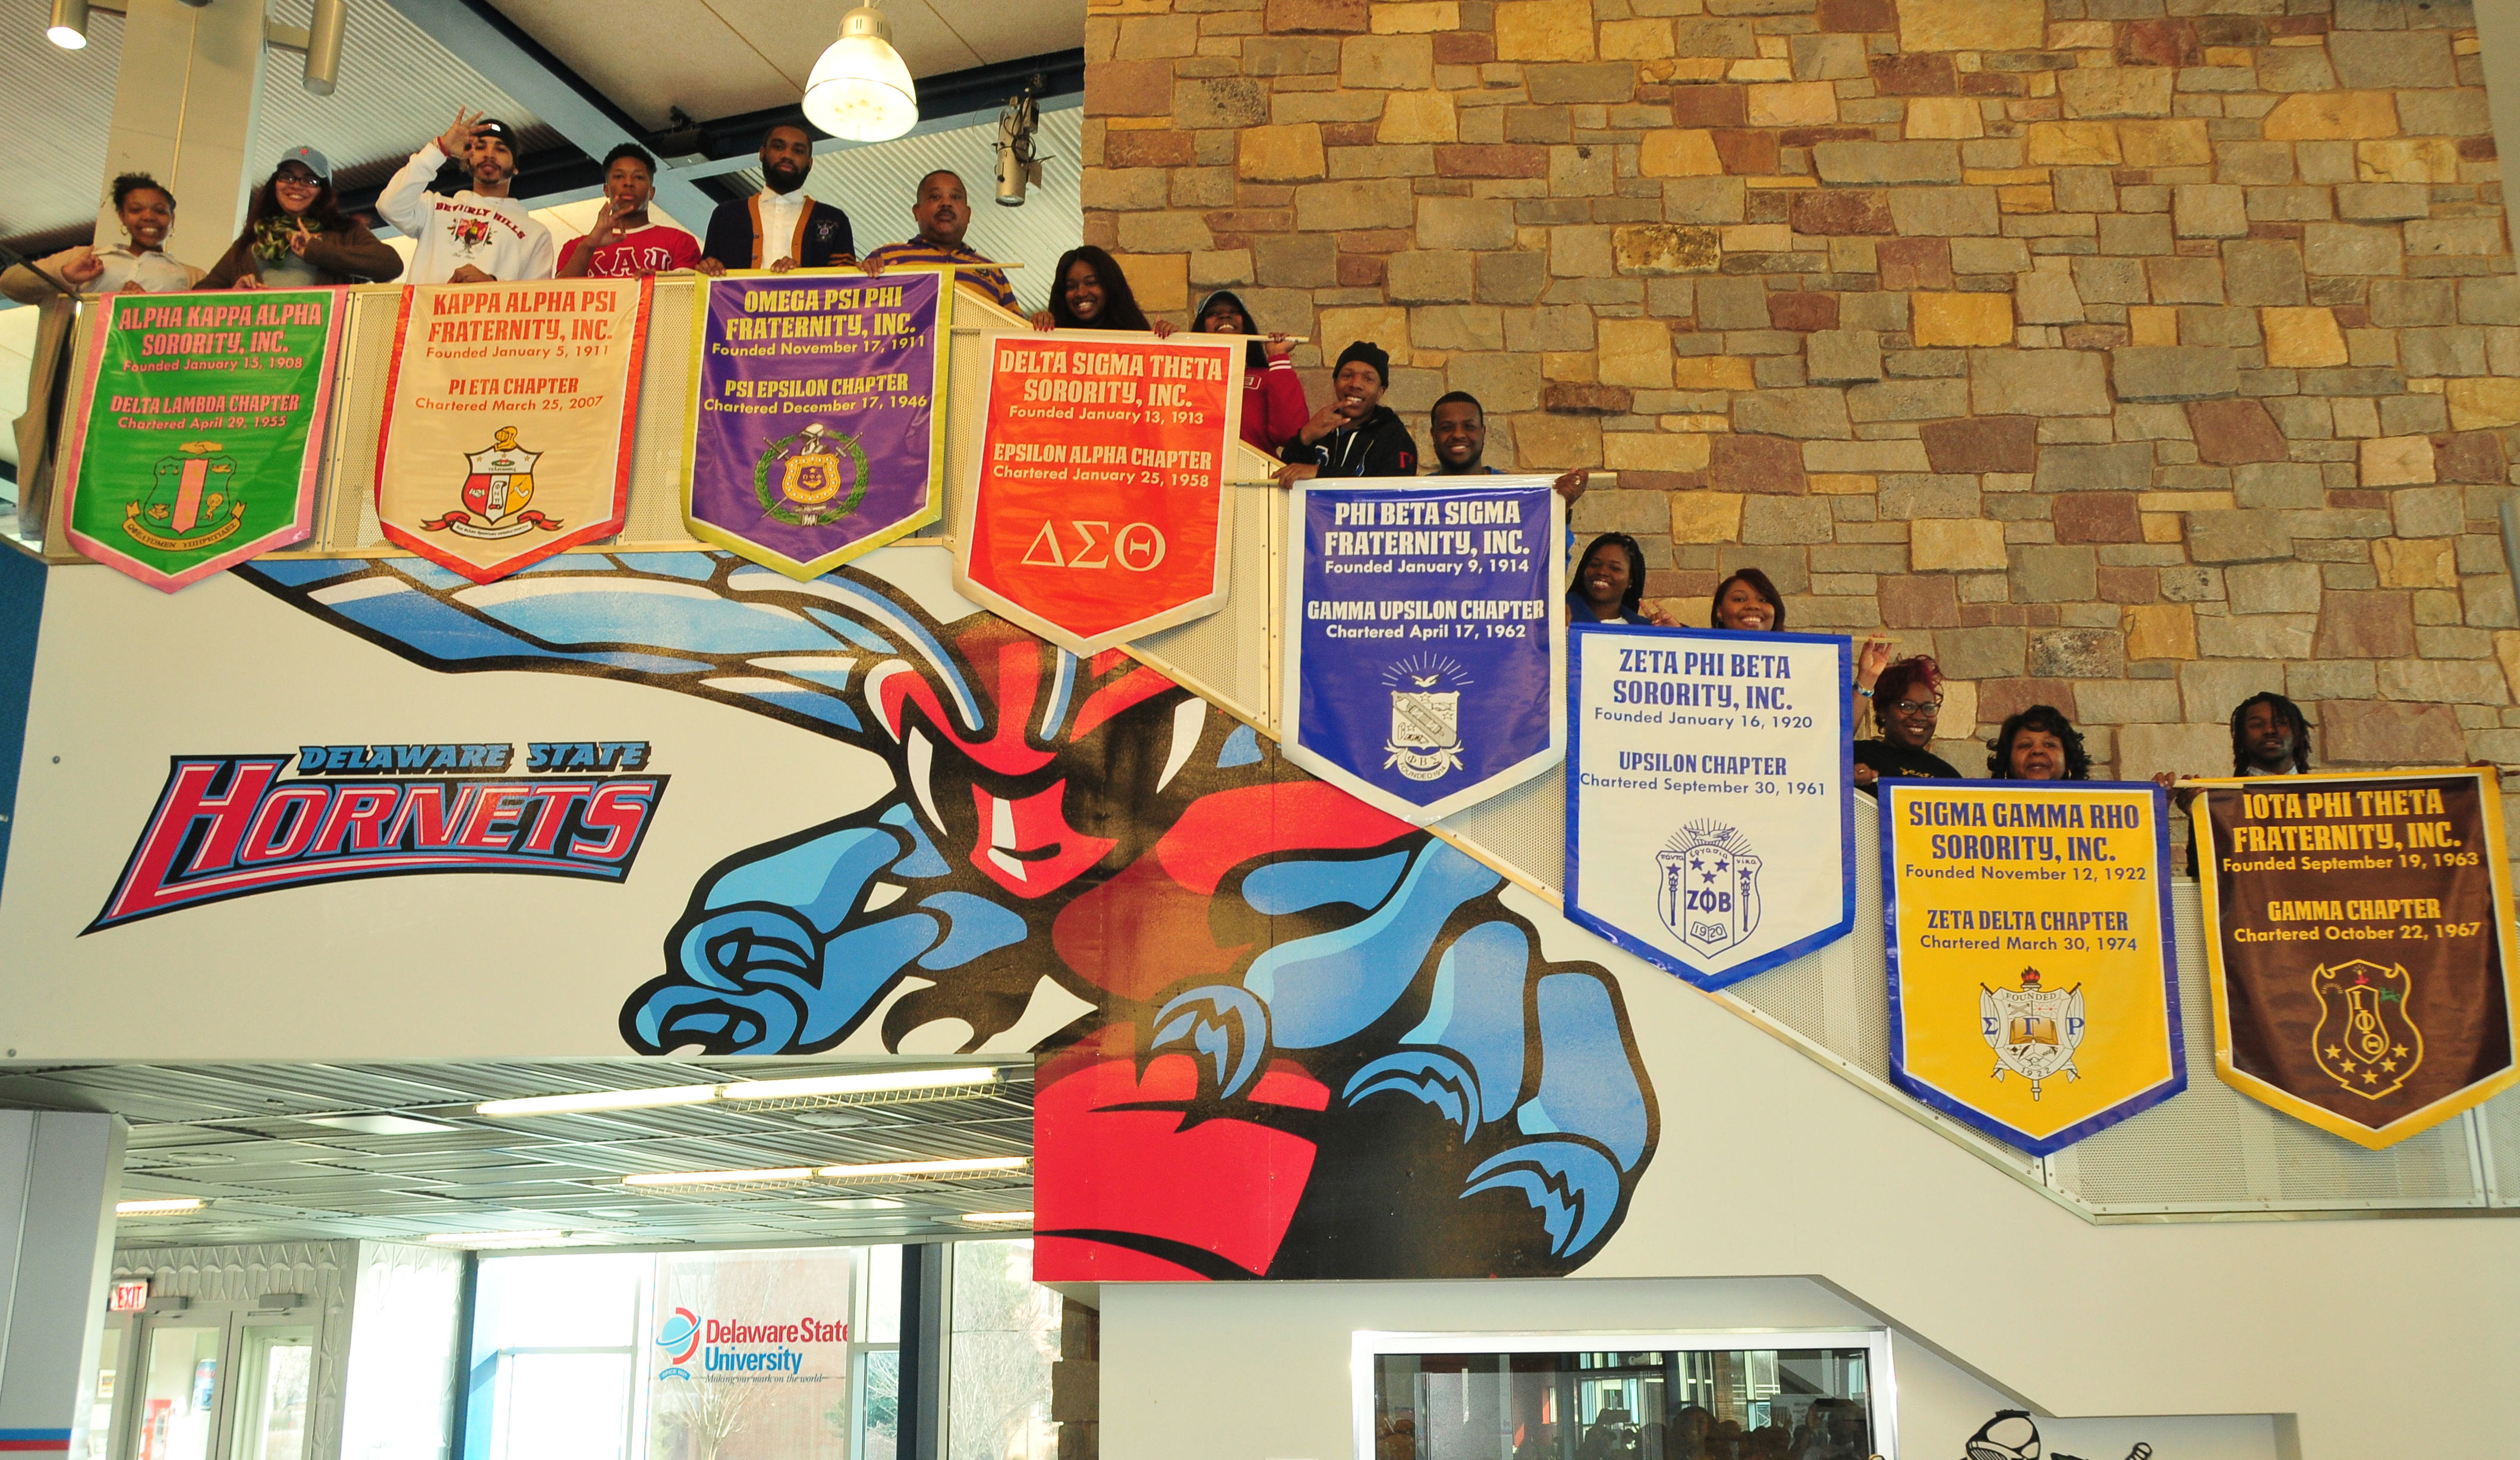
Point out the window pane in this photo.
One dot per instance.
(751, 1355)
(557, 1303)
(884, 1295)
(1006, 1333)
(1717, 1404)
(565, 1406)
(182, 1394)
(880, 1405)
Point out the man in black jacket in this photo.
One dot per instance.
(782, 227)
(1356, 434)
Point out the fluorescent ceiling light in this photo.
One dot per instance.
(858, 1084)
(864, 1204)
(598, 1100)
(718, 1178)
(996, 1216)
(156, 1206)
(860, 89)
(494, 1239)
(379, 1124)
(929, 1167)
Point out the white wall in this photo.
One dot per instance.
(398, 1403)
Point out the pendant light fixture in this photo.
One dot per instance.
(860, 91)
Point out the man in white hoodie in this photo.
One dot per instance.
(478, 235)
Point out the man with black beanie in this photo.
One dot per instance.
(1356, 434)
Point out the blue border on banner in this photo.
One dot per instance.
(1969, 1116)
(1845, 924)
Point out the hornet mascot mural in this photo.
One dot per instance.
(1319, 1044)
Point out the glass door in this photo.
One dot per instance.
(178, 1389)
(275, 1367)
(115, 1342)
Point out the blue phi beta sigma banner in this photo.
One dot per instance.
(2034, 983)
(1422, 664)
(1708, 825)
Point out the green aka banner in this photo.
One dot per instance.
(197, 427)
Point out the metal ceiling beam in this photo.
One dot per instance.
(509, 60)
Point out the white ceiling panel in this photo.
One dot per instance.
(68, 95)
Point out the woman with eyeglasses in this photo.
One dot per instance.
(1907, 707)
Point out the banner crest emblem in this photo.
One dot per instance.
(194, 503)
(1425, 722)
(2033, 1031)
(2368, 1040)
(1710, 887)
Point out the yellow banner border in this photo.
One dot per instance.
(2209, 893)
(934, 512)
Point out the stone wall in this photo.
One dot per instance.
(2130, 358)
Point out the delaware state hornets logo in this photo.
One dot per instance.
(230, 826)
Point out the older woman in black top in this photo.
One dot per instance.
(2038, 744)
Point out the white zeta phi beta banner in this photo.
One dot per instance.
(1422, 664)
(1708, 823)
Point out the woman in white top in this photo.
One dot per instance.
(137, 265)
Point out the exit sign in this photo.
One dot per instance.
(128, 1298)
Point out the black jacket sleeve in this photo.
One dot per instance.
(729, 240)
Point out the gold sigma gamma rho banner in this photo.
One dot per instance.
(2362, 947)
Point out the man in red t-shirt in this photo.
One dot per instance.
(623, 244)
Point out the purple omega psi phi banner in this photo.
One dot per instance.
(1424, 662)
(813, 429)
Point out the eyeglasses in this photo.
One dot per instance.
(1919, 706)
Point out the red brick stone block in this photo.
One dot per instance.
(1251, 220)
(1360, 270)
(1999, 700)
(2170, 42)
(1347, 134)
(1983, 444)
(1710, 107)
(2353, 316)
(2096, 517)
(2232, 432)
(1697, 583)
(2097, 336)
(2376, 624)
(2470, 456)
(1926, 73)
(2129, 584)
(1839, 211)
(2291, 231)
(1164, 148)
(1747, 153)
(1464, 48)
(2231, 31)
(2476, 149)
(1915, 263)
(1663, 481)
(1296, 17)
(1129, 89)
(2375, 501)
(1842, 17)
(1375, 241)
(2377, 732)
(1499, 159)
(1565, 399)
(1930, 602)
(1814, 136)
(1758, 464)
(1806, 311)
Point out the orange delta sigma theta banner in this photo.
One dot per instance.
(2358, 930)
(1099, 513)
(508, 419)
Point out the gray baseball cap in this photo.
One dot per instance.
(314, 162)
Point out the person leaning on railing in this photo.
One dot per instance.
(1906, 706)
(944, 213)
(296, 236)
(481, 233)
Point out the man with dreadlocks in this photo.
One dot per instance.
(2269, 737)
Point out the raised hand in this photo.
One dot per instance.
(457, 139)
(84, 269)
(299, 240)
(1163, 329)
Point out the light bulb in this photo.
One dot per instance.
(860, 90)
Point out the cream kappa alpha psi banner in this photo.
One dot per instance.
(2359, 928)
(508, 419)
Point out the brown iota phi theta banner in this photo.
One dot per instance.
(2361, 947)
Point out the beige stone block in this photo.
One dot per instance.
(2416, 563)
(1667, 249)
(1388, 63)
(1961, 319)
(1679, 153)
(2153, 324)
(2398, 460)
(1842, 484)
(1557, 443)
(1971, 24)
(1364, 202)
(2185, 750)
(1636, 41)
(1220, 268)
(1544, 30)
(1760, 68)
(1418, 116)
(2160, 631)
(2072, 144)
(2161, 527)
(2117, 90)
(1716, 517)
(2324, 115)
(1634, 352)
(1793, 103)
(1385, 325)
(1712, 373)
(2408, 159)
(2483, 402)
(2299, 338)
(2182, 143)
(1161, 281)
(1416, 16)
(1945, 117)
(1955, 544)
(1655, 452)
(2506, 649)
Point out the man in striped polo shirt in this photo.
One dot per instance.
(943, 213)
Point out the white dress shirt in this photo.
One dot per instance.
(779, 214)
